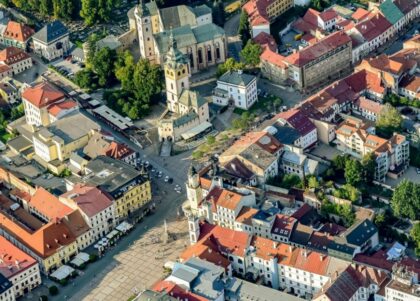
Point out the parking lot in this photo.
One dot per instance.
(68, 67)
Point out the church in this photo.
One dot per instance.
(187, 114)
(198, 38)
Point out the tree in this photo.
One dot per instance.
(405, 201)
(147, 81)
(415, 235)
(389, 121)
(244, 29)
(85, 79)
(353, 172)
(89, 11)
(251, 54)
(380, 220)
(339, 162)
(346, 212)
(368, 167)
(17, 112)
(290, 180)
(124, 70)
(211, 139)
(313, 182)
(103, 65)
(229, 65)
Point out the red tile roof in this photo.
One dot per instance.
(12, 55)
(224, 198)
(245, 215)
(13, 260)
(373, 27)
(89, 199)
(118, 150)
(297, 120)
(4, 69)
(205, 252)
(283, 225)
(225, 240)
(57, 108)
(266, 41)
(328, 15)
(176, 291)
(369, 105)
(257, 11)
(273, 58)
(42, 95)
(322, 47)
(48, 205)
(360, 14)
(17, 31)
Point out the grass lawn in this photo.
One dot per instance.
(264, 104)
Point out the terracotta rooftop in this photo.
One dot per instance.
(283, 225)
(373, 27)
(360, 14)
(369, 105)
(117, 150)
(257, 11)
(89, 199)
(224, 198)
(205, 252)
(17, 31)
(48, 205)
(56, 108)
(223, 239)
(328, 15)
(12, 55)
(273, 58)
(42, 95)
(320, 48)
(176, 291)
(411, 83)
(13, 260)
(266, 41)
(245, 215)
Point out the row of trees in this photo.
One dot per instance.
(92, 11)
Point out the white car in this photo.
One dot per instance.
(166, 179)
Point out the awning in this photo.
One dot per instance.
(196, 130)
(80, 259)
(112, 234)
(124, 227)
(62, 272)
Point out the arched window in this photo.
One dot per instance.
(209, 56)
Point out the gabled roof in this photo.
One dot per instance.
(13, 260)
(373, 27)
(118, 150)
(48, 205)
(391, 12)
(90, 200)
(42, 94)
(369, 105)
(192, 99)
(51, 32)
(12, 55)
(56, 108)
(238, 169)
(17, 31)
(320, 48)
(297, 120)
(360, 14)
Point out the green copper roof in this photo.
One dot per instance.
(191, 99)
(391, 12)
(207, 32)
(236, 78)
(190, 116)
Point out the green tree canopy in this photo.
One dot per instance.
(405, 201)
(353, 172)
(251, 54)
(124, 70)
(389, 121)
(103, 65)
(244, 29)
(369, 166)
(415, 235)
(229, 65)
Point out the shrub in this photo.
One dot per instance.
(53, 290)
(93, 257)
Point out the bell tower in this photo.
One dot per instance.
(194, 191)
(177, 73)
(145, 31)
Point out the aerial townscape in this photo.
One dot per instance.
(240, 150)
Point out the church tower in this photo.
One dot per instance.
(194, 191)
(177, 75)
(145, 31)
